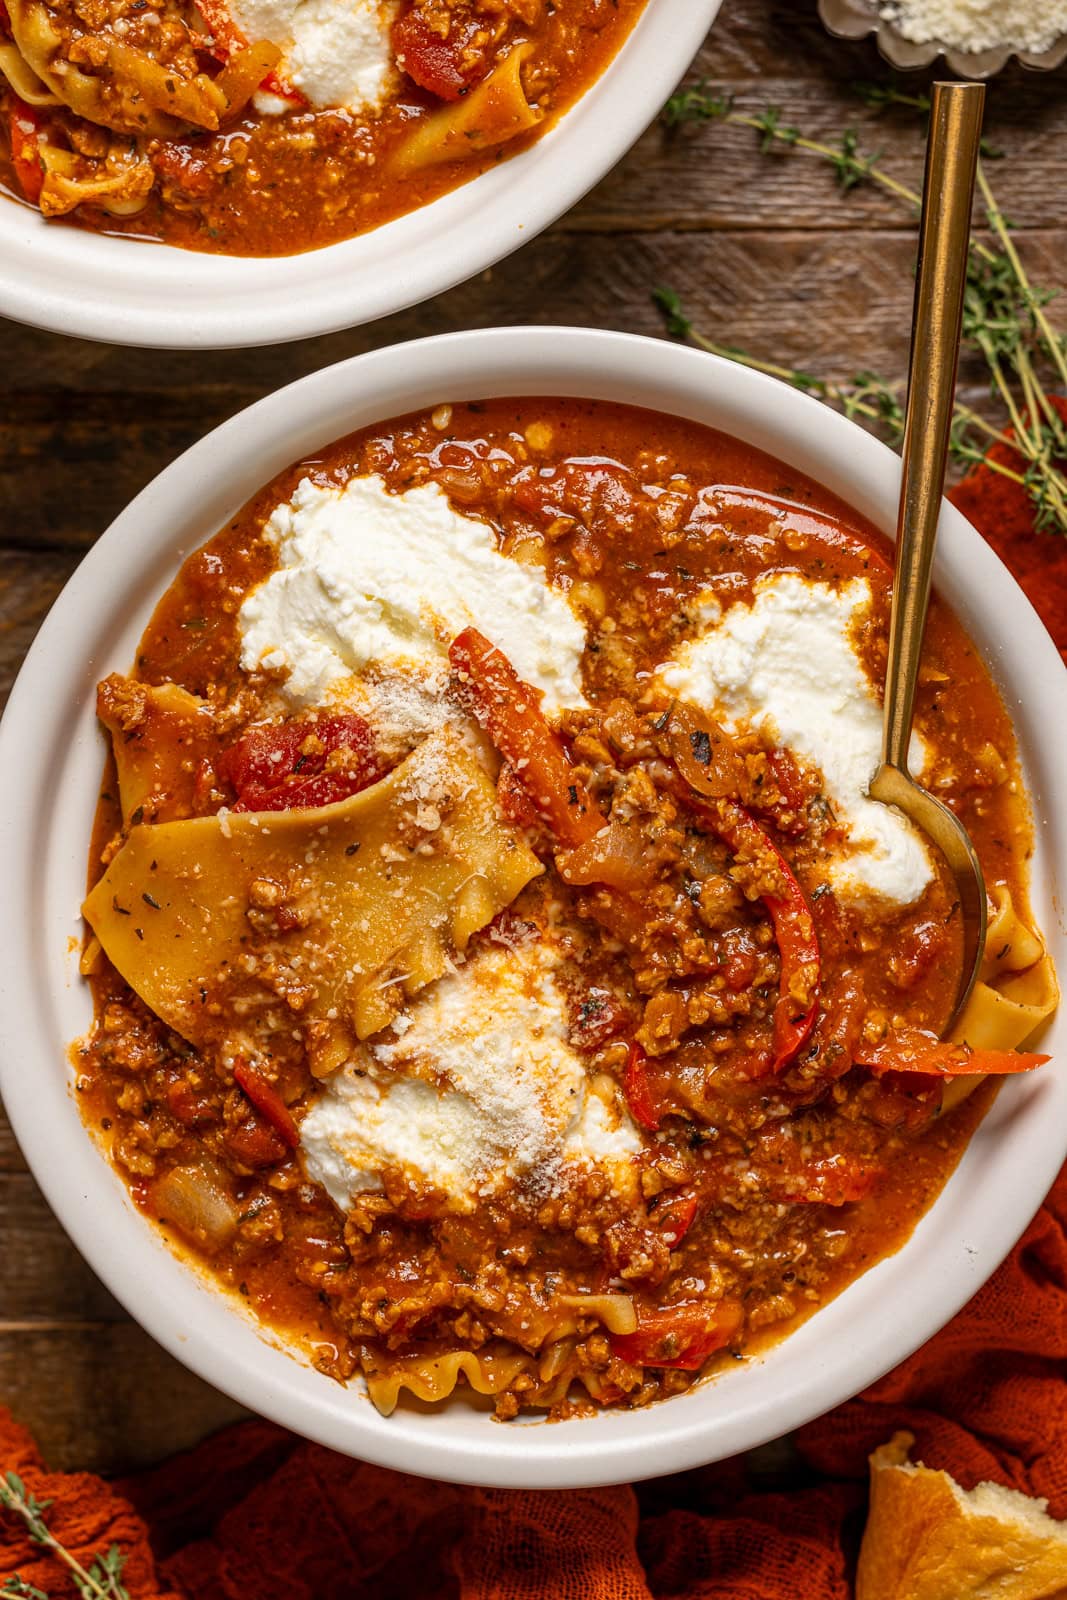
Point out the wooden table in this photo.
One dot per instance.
(768, 255)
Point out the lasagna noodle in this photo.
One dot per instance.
(1016, 990)
(119, 184)
(131, 92)
(615, 1311)
(387, 887)
(158, 736)
(23, 80)
(433, 1378)
(493, 114)
(42, 48)
(490, 1372)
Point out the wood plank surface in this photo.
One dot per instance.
(766, 253)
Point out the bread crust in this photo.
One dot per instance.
(927, 1539)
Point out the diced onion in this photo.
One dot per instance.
(614, 856)
(703, 754)
(195, 1200)
(554, 1359)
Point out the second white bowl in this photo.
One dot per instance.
(131, 291)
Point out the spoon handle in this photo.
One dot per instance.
(944, 243)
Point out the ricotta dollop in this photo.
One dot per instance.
(336, 52)
(369, 578)
(475, 1086)
(788, 665)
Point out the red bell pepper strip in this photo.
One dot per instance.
(680, 1336)
(791, 917)
(266, 1099)
(23, 123)
(510, 712)
(915, 1050)
(635, 1088)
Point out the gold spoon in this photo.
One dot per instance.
(944, 243)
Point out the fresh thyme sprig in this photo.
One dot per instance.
(851, 165)
(101, 1581)
(1005, 320)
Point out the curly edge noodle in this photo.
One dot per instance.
(1016, 990)
(132, 96)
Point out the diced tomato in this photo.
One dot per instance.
(282, 89)
(515, 803)
(288, 766)
(674, 1216)
(909, 1100)
(680, 1336)
(600, 1016)
(837, 1180)
(636, 1089)
(184, 169)
(598, 494)
(915, 1050)
(438, 63)
(740, 959)
(23, 124)
(189, 1107)
(267, 1101)
(226, 36)
(255, 1144)
(510, 712)
(787, 1169)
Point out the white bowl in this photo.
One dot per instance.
(139, 292)
(52, 751)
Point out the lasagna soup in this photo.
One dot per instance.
(264, 127)
(502, 978)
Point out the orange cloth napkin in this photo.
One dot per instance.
(255, 1514)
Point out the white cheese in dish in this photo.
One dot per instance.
(473, 1087)
(368, 578)
(1032, 25)
(787, 664)
(336, 52)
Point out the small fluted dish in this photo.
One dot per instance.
(857, 19)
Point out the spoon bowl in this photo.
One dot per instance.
(894, 787)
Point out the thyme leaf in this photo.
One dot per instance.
(101, 1581)
(1005, 321)
(696, 105)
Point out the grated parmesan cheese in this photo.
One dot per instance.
(1029, 25)
(474, 1087)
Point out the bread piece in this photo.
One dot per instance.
(928, 1539)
